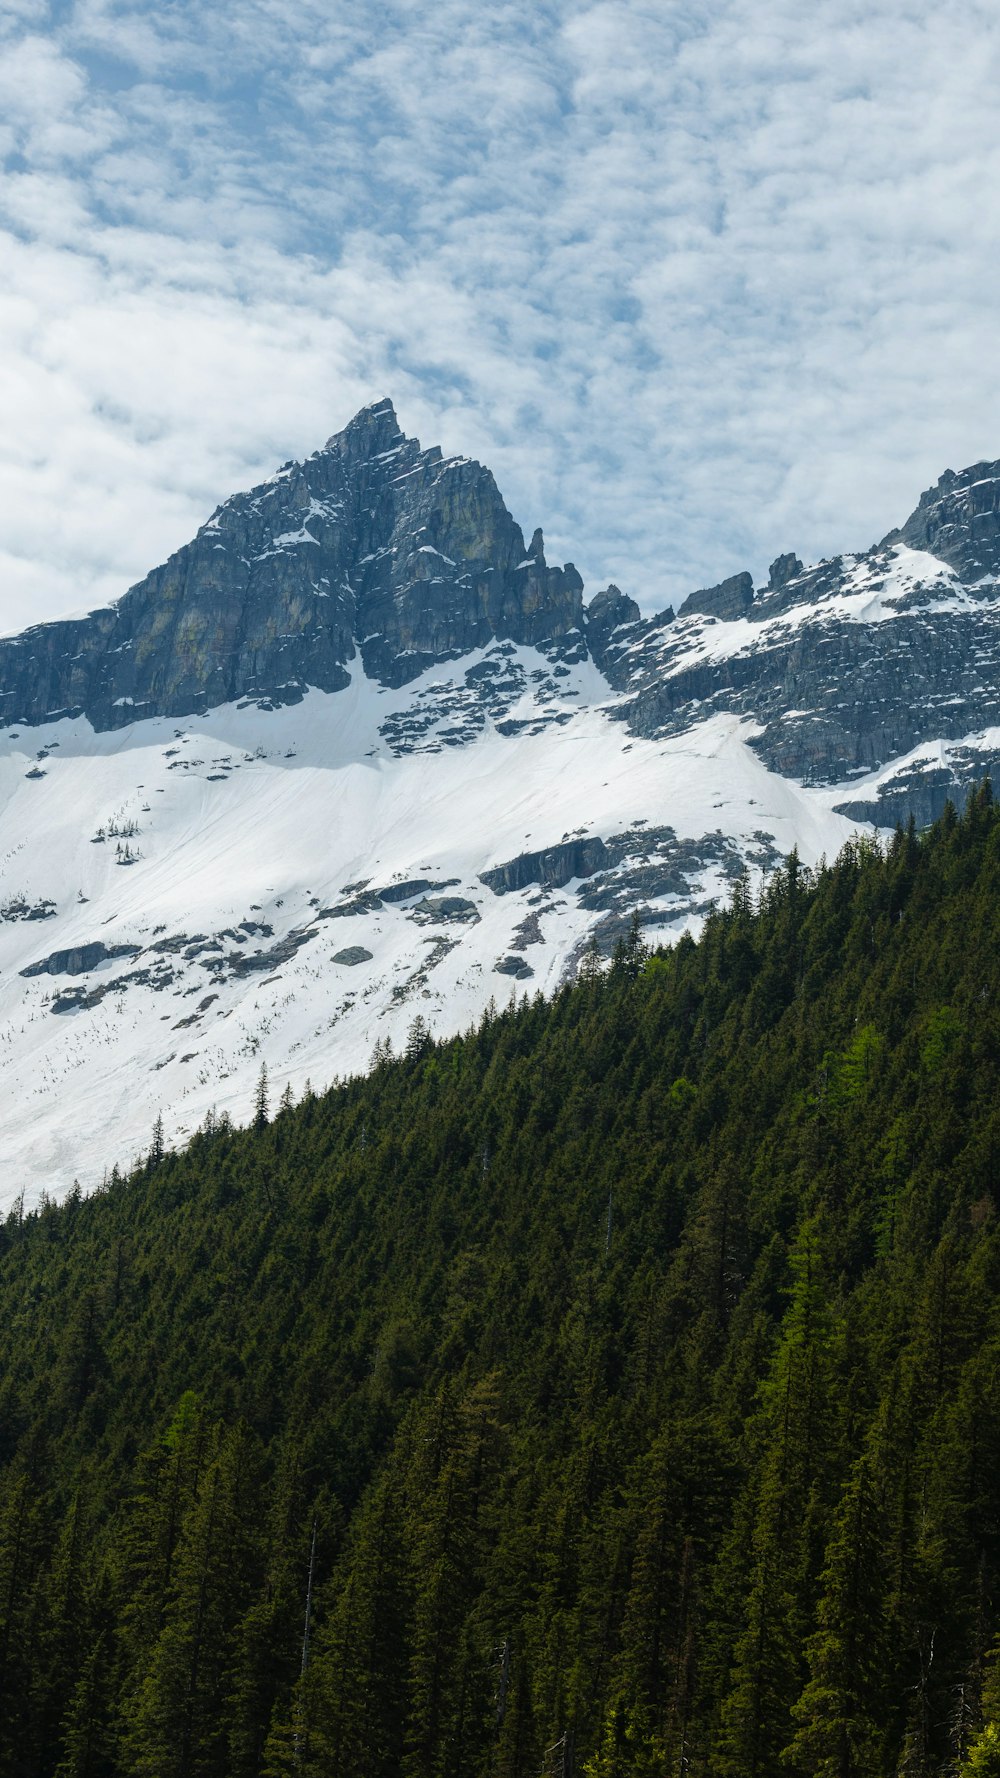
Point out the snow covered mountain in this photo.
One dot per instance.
(357, 753)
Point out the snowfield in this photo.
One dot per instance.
(198, 849)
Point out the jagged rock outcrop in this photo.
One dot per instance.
(782, 570)
(372, 544)
(835, 697)
(853, 662)
(732, 598)
(80, 959)
(922, 788)
(607, 613)
(959, 521)
(414, 886)
(552, 868)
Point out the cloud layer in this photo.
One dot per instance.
(699, 282)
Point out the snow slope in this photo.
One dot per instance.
(232, 855)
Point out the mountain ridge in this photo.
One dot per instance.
(445, 776)
(334, 557)
(331, 557)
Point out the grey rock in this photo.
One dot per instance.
(365, 903)
(414, 886)
(782, 570)
(607, 613)
(432, 908)
(732, 598)
(19, 909)
(244, 964)
(922, 790)
(80, 959)
(157, 976)
(834, 697)
(528, 932)
(653, 861)
(959, 521)
(552, 868)
(352, 955)
(515, 966)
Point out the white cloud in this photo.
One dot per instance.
(700, 283)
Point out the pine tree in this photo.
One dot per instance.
(63, 1631)
(767, 1672)
(351, 1708)
(449, 1665)
(260, 1110)
(25, 1541)
(628, 1748)
(984, 1755)
(264, 1666)
(629, 953)
(418, 1039)
(166, 1482)
(156, 1146)
(655, 1667)
(842, 1714)
(86, 1734)
(179, 1726)
(591, 963)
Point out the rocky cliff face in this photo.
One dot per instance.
(375, 548)
(850, 665)
(959, 522)
(371, 545)
(731, 598)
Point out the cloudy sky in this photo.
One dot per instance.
(701, 280)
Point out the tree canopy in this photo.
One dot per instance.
(609, 1390)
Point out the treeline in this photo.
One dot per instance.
(610, 1391)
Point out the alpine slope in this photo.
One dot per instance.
(358, 756)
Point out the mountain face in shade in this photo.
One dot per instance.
(357, 754)
(371, 545)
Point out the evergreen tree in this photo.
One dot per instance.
(179, 1727)
(353, 1698)
(795, 1429)
(260, 1104)
(842, 1712)
(25, 1541)
(86, 1733)
(156, 1146)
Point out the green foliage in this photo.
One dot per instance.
(610, 1390)
(854, 1070)
(984, 1756)
(940, 1034)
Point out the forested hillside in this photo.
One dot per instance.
(610, 1391)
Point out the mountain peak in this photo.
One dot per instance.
(371, 545)
(958, 520)
(373, 429)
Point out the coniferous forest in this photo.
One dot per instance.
(612, 1390)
